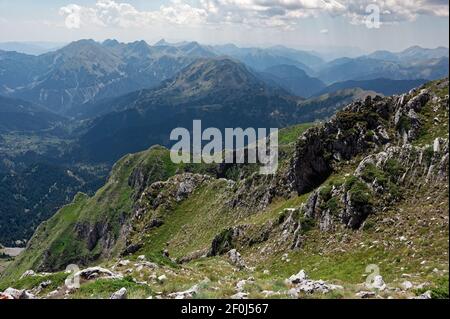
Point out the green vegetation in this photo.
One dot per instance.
(30, 282)
(291, 134)
(104, 288)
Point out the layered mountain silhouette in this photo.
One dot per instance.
(85, 72)
(293, 80)
(383, 86)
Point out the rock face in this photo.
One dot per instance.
(235, 258)
(376, 183)
(360, 127)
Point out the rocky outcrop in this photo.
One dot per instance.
(302, 284)
(167, 193)
(379, 180)
(96, 272)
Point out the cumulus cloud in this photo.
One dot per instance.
(270, 13)
(111, 13)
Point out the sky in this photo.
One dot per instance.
(311, 24)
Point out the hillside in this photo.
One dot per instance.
(18, 115)
(293, 80)
(368, 188)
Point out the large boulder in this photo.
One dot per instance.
(120, 294)
(97, 272)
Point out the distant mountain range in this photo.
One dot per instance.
(365, 68)
(412, 54)
(33, 48)
(85, 72)
(383, 86)
(221, 92)
(293, 80)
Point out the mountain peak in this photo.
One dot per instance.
(217, 72)
(110, 43)
(162, 42)
(215, 79)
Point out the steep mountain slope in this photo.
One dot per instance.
(17, 70)
(293, 80)
(383, 86)
(17, 115)
(367, 188)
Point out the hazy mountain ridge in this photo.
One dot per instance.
(293, 80)
(86, 71)
(383, 86)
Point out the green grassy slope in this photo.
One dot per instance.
(406, 236)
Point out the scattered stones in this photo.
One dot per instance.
(426, 295)
(124, 262)
(162, 279)
(298, 278)
(145, 264)
(52, 294)
(269, 293)
(407, 285)
(365, 294)
(120, 294)
(241, 285)
(240, 296)
(378, 283)
(12, 293)
(303, 284)
(141, 258)
(188, 294)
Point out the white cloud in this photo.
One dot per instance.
(262, 13)
(324, 31)
(109, 13)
